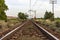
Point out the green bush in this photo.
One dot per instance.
(53, 25)
(22, 15)
(58, 30)
(57, 23)
(49, 15)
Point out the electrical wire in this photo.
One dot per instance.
(35, 3)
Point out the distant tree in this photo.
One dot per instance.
(58, 18)
(49, 15)
(46, 15)
(22, 15)
(3, 8)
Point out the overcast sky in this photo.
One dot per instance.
(40, 6)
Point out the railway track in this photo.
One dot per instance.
(29, 31)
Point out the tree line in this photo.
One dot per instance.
(21, 15)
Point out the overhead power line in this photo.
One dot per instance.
(34, 3)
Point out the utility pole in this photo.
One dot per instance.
(35, 14)
(30, 9)
(53, 7)
(53, 2)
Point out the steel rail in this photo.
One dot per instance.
(45, 32)
(4, 37)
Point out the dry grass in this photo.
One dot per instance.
(7, 25)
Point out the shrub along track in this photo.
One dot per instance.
(49, 30)
(10, 29)
(26, 31)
